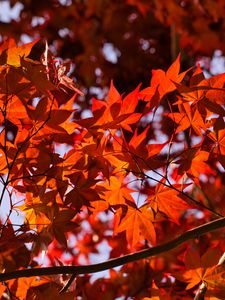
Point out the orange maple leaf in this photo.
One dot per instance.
(163, 82)
(199, 269)
(219, 139)
(188, 117)
(138, 224)
(114, 112)
(167, 200)
(22, 285)
(11, 53)
(193, 162)
(197, 89)
(36, 215)
(117, 191)
(141, 154)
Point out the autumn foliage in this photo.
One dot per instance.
(141, 169)
(145, 35)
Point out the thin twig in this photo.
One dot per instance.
(68, 284)
(169, 185)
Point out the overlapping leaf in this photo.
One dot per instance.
(115, 112)
(137, 223)
(167, 200)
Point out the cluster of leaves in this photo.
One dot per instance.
(142, 169)
(198, 23)
(150, 30)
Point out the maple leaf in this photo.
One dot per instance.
(22, 285)
(61, 222)
(200, 269)
(85, 190)
(140, 154)
(167, 200)
(49, 291)
(11, 54)
(188, 117)
(15, 92)
(36, 73)
(117, 191)
(215, 277)
(137, 223)
(36, 215)
(219, 139)
(93, 154)
(193, 162)
(113, 113)
(12, 246)
(216, 93)
(163, 82)
(55, 119)
(201, 94)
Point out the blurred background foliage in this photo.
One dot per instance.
(121, 40)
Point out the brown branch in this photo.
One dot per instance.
(112, 263)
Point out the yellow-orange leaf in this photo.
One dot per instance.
(138, 224)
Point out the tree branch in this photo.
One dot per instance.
(112, 263)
